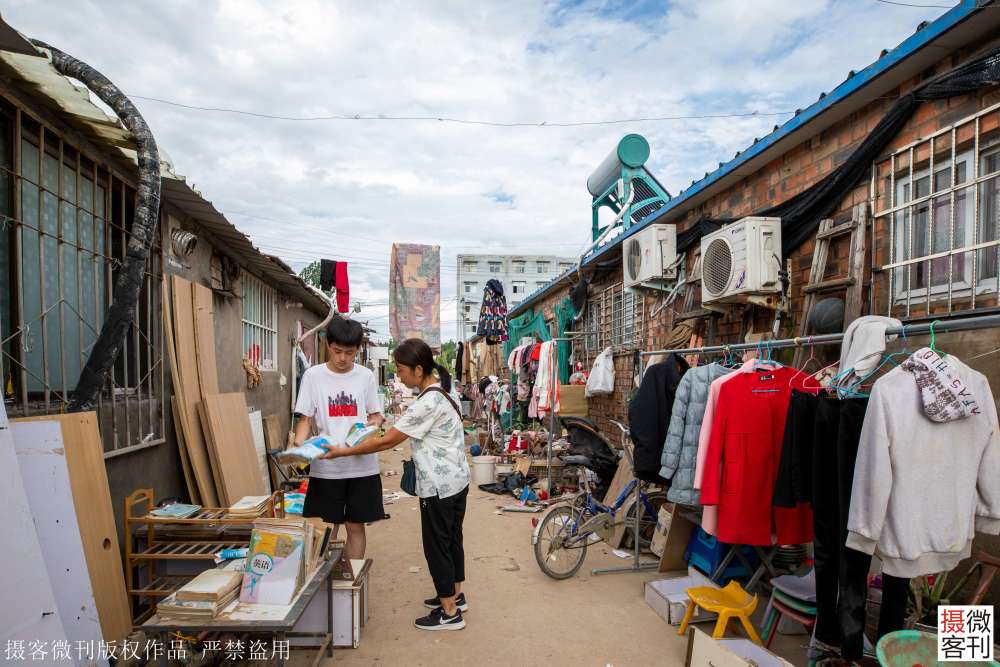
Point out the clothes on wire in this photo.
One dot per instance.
(548, 395)
(493, 314)
(649, 415)
(459, 353)
(928, 470)
(680, 447)
(741, 461)
(333, 276)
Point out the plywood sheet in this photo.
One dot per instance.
(257, 429)
(36, 616)
(230, 440)
(41, 458)
(168, 328)
(188, 388)
(204, 338)
(621, 479)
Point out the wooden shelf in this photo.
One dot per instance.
(186, 550)
(162, 586)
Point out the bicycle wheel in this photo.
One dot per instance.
(555, 559)
(647, 524)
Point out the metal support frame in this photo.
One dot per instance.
(943, 326)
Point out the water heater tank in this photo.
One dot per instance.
(632, 151)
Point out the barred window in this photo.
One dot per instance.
(938, 201)
(619, 319)
(260, 323)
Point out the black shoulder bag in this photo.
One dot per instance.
(408, 483)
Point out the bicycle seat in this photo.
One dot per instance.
(576, 460)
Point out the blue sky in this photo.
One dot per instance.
(347, 189)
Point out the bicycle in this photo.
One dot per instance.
(561, 539)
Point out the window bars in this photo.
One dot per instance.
(616, 315)
(937, 201)
(260, 323)
(65, 225)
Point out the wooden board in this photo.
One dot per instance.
(678, 537)
(230, 440)
(92, 499)
(274, 439)
(572, 400)
(204, 338)
(187, 387)
(25, 577)
(168, 328)
(257, 429)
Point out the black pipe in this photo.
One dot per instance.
(128, 286)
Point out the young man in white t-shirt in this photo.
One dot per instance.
(332, 397)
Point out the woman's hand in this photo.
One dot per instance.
(334, 452)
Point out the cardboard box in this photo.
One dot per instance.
(572, 400)
(668, 597)
(662, 526)
(703, 651)
(678, 531)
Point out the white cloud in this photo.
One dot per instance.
(348, 189)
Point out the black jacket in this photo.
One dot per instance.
(649, 415)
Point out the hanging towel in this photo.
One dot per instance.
(343, 288)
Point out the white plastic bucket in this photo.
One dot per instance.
(482, 469)
(501, 468)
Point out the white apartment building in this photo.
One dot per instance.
(520, 275)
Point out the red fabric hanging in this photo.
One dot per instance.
(343, 288)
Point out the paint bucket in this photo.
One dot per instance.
(482, 469)
(503, 468)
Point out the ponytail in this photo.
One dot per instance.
(414, 352)
(445, 377)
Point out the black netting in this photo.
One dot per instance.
(801, 215)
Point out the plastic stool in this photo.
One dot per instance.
(726, 602)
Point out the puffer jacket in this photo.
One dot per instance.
(680, 450)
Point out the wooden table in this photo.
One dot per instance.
(278, 625)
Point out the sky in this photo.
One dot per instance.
(348, 189)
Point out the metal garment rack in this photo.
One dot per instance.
(937, 326)
(637, 564)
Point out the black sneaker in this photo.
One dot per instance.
(438, 620)
(434, 603)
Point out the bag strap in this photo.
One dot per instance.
(446, 395)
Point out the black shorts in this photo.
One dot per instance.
(350, 500)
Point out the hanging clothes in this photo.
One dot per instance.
(680, 448)
(343, 288)
(741, 463)
(493, 314)
(928, 469)
(649, 415)
(548, 396)
(458, 361)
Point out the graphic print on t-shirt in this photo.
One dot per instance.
(344, 405)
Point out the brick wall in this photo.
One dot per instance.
(783, 177)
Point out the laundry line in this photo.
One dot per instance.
(905, 330)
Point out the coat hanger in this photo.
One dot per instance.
(801, 371)
(934, 348)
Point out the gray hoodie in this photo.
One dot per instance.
(928, 469)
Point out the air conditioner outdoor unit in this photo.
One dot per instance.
(650, 255)
(740, 263)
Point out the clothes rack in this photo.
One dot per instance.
(905, 330)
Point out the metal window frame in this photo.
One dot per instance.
(906, 296)
(260, 304)
(132, 404)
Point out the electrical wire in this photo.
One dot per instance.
(908, 4)
(461, 121)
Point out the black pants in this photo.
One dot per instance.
(842, 573)
(441, 528)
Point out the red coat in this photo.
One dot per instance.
(741, 463)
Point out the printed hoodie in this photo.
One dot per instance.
(928, 469)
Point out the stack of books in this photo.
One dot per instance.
(248, 507)
(176, 511)
(203, 597)
(276, 566)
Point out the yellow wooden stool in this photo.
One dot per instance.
(726, 602)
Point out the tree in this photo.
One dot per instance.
(446, 357)
(311, 275)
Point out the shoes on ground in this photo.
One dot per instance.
(438, 620)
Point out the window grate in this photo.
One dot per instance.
(65, 226)
(260, 323)
(938, 202)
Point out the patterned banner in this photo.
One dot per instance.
(415, 293)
